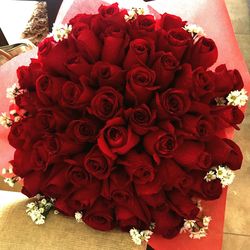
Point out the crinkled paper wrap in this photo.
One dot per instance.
(213, 17)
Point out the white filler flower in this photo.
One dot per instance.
(237, 98)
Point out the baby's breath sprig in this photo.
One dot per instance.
(11, 181)
(133, 13)
(38, 210)
(195, 30)
(5, 120)
(61, 31)
(12, 92)
(221, 172)
(237, 98)
(139, 236)
(78, 217)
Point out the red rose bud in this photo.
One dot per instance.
(206, 190)
(138, 166)
(160, 143)
(21, 163)
(27, 75)
(62, 205)
(165, 66)
(203, 85)
(172, 102)
(182, 205)
(127, 220)
(109, 11)
(192, 155)
(140, 85)
(77, 66)
(227, 116)
(225, 152)
(53, 56)
(106, 103)
(143, 27)
(116, 139)
(177, 41)
(155, 200)
(84, 130)
(106, 74)
(168, 22)
(51, 120)
(98, 164)
(100, 216)
(115, 42)
(48, 89)
(76, 96)
(184, 77)
(81, 18)
(198, 127)
(204, 53)
(87, 42)
(167, 222)
(32, 183)
(85, 197)
(174, 177)
(139, 53)
(141, 119)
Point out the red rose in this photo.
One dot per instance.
(76, 96)
(172, 102)
(142, 27)
(32, 183)
(28, 101)
(85, 197)
(98, 164)
(48, 89)
(138, 166)
(184, 77)
(21, 163)
(106, 103)
(22, 136)
(174, 177)
(51, 120)
(140, 85)
(127, 219)
(53, 56)
(182, 205)
(77, 66)
(27, 75)
(62, 205)
(139, 53)
(100, 216)
(86, 42)
(168, 22)
(226, 152)
(156, 200)
(84, 130)
(167, 222)
(227, 116)
(165, 66)
(106, 74)
(204, 53)
(206, 190)
(116, 139)
(198, 127)
(193, 155)
(81, 18)
(141, 119)
(177, 41)
(115, 42)
(203, 85)
(161, 143)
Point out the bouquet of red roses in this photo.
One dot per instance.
(122, 124)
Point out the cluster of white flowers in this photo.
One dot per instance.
(237, 98)
(5, 120)
(12, 92)
(7, 170)
(139, 236)
(11, 181)
(133, 13)
(194, 29)
(78, 217)
(61, 31)
(38, 210)
(223, 173)
(197, 229)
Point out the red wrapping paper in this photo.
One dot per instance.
(213, 17)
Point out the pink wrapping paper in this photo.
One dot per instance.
(213, 17)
